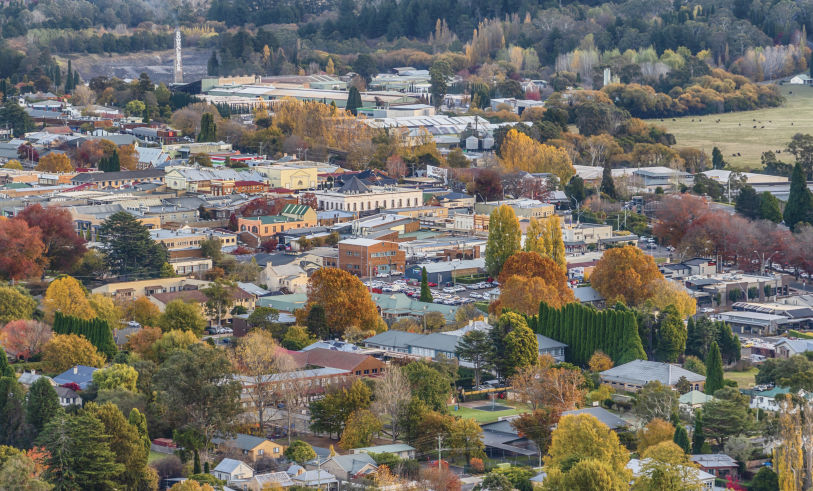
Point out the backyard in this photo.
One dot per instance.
(745, 379)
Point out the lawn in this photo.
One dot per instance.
(487, 416)
(735, 132)
(744, 379)
(156, 456)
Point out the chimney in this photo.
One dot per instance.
(76, 369)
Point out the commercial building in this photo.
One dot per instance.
(99, 180)
(368, 257)
(523, 207)
(291, 217)
(294, 176)
(356, 196)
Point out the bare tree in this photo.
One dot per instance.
(258, 359)
(292, 388)
(392, 395)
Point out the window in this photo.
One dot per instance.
(358, 372)
(366, 372)
(260, 452)
(276, 449)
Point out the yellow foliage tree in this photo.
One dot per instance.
(534, 239)
(13, 164)
(656, 431)
(67, 295)
(600, 362)
(665, 467)
(554, 242)
(663, 293)
(330, 68)
(520, 152)
(106, 309)
(55, 162)
(625, 274)
(66, 350)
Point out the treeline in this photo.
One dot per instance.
(95, 330)
(586, 330)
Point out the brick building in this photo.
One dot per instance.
(368, 257)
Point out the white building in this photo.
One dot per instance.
(356, 196)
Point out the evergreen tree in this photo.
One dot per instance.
(426, 294)
(208, 128)
(748, 203)
(353, 100)
(69, 83)
(129, 250)
(671, 335)
(13, 429)
(681, 438)
(769, 208)
(317, 323)
(607, 183)
(698, 437)
(5, 368)
(213, 66)
(438, 79)
(714, 369)
(42, 404)
(799, 208)
(76, 81)
(717, 161)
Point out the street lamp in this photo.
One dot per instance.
(762, 262)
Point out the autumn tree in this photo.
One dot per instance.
(22, 250)
(665, 467)
(527, 279)
(64, 351)
(142, 311)
(15, 303)
(625, 273)
(63, 247)
(142, 340)
(663, 292)
(545, 385)
(25, 338)
(300, 452)
(600, 362)
(359, 429)
(345, 300)
(656, 431)
(67, 296)
(466, 439)
(503, 238)
(116, 377)
(219, 297)
(655, 400)
(182, 316)
(537, 426)
(55, 162)
(170, 343)
(519, 152)
(392, 394)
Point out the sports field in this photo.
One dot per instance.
(734, 133)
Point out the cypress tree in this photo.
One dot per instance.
(42, 404)
(69, 78)
(714, 369)
(353, 100)
(681, 438)
(800, 203)
(607, 183)
(698, 438)
(5, 367)
(426, 294)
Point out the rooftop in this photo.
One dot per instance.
(641, 372)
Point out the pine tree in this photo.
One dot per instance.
(607, 183)
(42, 404)
(5, 367)
(681, 438)
(213, 66)
(698, 438)
(714, 369)
(208, 128)
(717, 161)
(69, 83)
(353, 100)
(426, 294)
(799, 208)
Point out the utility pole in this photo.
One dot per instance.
(440, 439)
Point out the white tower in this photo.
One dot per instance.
(178, 65)
(607, 77)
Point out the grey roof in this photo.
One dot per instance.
(333, 345)
(393, 339)
(228, 465)
(587, 294)
(389, 448)
(315, 477)
(28, 378)
(82, 377)
(611, 420)
(353, 185)
(641, 372)
(436, 341)
(353, 463)
(126, 174)
(545, 342)
(241, 441)
(66, 393)
(713, 460)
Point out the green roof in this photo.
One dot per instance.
(774, 392)
(269, 219)
(695, 397)
(284, 303)
(400, 304)
(17, 185)
(297, 210)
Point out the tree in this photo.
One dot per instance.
(495, 481)
(179, 315)
(353, 100)
(475, 348)
(63, 247)
(503, 238)
(600, 362)
(300, 452)
(765, 480)
(24, 338)
(545, 385)
(330, 413)
(580, 437)
(519, 152)
(799, 207)
(78, 453)
(665, 467)
(607, 183)
(20, 472)
(64, 351)
(426, 295)
(438, 80)
(714, 369)
(717, 161)
(699, 445)
(624, 273)
(67, 296)
(587, 474)
(365, 66)
(170, 342)
(15, 117)
(748, 202)
(345, 300)
(466, 439)
(15, 304)
(769, 207)
(671, 335)
(208, 128)
(521, 349)
(359, 429)
(129, 250)
(575, 189)
(656, 431)
(392, 394)
(116, 377)
(219, 297)
(694, 364)
(197, 387)
(297, 338)
(537, 426)
(655, 400)
(22, 250)
(42, 404)
(429, 384)
(13, 164)
(681, 439)
(5, 368)
(54, 162)
(142, 311)
(105, 309)
(725, 417)
(665, 293)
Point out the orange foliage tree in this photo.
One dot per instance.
(25, 338)
(545, 385)
(55, 162)
(625, 274)
(527, 279)
(520, 152)
(346, 301)
(22, 250)
(142, 340)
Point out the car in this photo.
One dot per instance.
(432, 284)
(382, 275)
(448, 289)
(396, 273)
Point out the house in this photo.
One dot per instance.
(316, 479)
(268, 480)
(252, 447)
(766, 400)
(132, 290)
(401, 450)
(290, 176)
(801, 79)
(721, 465)
(80, 375)
(289, 277)
(706, 480)
(232, 469)
(100, 180)
(346, 467)
(786, 348)
(68, 397)
(693, 400)
(311, 382)
(589, 295)
(612, 421)
(291, 217)
(356, 363)
(548, 346)
(28, 378)
(634, 375)
(523, 207)
(502, 440)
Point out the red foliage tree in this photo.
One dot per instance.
(22, 250)
(308, 199)
(269, 245)
(488, 184)
(25, 338)
(63, 247)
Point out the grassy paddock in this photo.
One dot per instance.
(735, 132)
(489, 416)
(745, 379)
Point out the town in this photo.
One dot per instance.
(539, 255)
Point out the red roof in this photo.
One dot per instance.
(321, 357)
(248, 183)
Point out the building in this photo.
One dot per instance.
(757, 323)
(801, 79)
(634, 375)
(291, 217)
(356, 196)
(346, 467)
(612, 421)
(523, 207)
(697, 266)
(68, 397)
(694, 399)
(368, 257)
(198, 297)
(766, 400)
(384, 226)
(446, 271)
(140, 288)
(253, 448)
(706, 479)
(551, 347)
(502, 440)
(194, 180)
(101, 180)
(356, 363)
(80, 375)
(401, 450)
(232, 469)
(223, 188)
(312, 383)
(289, 277)
(786, 348)
(294, 176)
(585, 233)
(721, 465)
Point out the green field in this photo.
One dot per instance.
(744, 379)
(156, 456)
(488, 416)
(735, 132)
